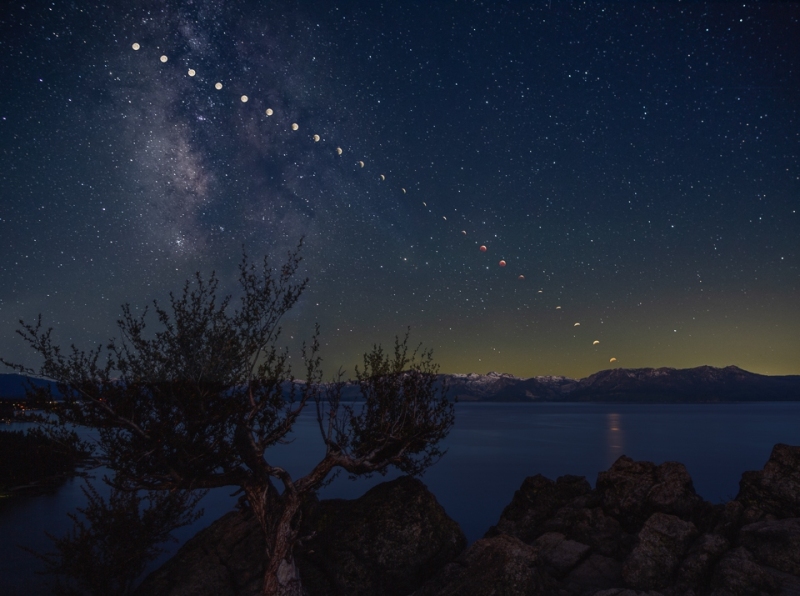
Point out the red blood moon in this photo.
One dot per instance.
(502, 263)
(483, 248)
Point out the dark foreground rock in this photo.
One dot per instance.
(643, 531)
(389, 541)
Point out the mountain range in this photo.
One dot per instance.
(703, 384)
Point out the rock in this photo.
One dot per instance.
(737, 574)
(558, 554)
(593, 527)
(626, 592)
(500, 565)
(594, 574)
(775, 490)
(631, 491)
(673, 491)
(624, 488)
(223, 559)
(388, 541)
(663, 541)
(774, 543)
(695, 570)
(537, 500)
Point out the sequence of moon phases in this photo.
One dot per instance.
(269, 112)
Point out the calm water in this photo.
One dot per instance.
(492, 448)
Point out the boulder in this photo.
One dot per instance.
(663, 541)
(623, 489)
(499, 565)
(626, 592)
(593, 527)
(537, 500)
(558, 554)
(695, 570)
(774, 543)
(221, 560)
(737, 574)
(775, 490)
(594, 574)
(388, 541)
(631, 491)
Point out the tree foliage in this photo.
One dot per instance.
(113, 539)
(198, 403)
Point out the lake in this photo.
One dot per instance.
(491, 449)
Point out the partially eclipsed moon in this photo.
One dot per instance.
(502, 263)
(295, 126)
(339, 150)
(269, 112)
(361, 163)
(316, 138)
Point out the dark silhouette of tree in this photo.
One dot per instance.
(111, 541)
(198, 403)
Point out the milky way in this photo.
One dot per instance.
(633, 168)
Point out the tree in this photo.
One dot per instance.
(111, 541)
(198, 404)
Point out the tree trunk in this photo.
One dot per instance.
(279, 518)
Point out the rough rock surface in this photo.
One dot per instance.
(497, 566)
(643, 531)
(389, 541)
(774, 543)
(538, 499)
(775, 490)
(663, 541)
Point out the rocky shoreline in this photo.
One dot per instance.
(641, 531)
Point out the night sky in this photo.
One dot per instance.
(638, 164)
